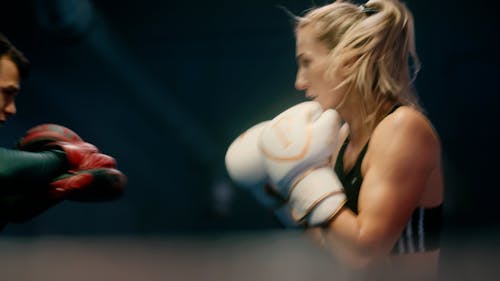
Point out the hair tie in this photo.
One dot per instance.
(367, 11)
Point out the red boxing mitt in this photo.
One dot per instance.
(83, 155)
(100, 184)
(36, 138)
(79, 154)
(88, 168)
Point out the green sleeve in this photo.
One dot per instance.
(27, 168)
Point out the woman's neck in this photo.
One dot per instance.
(360, 131)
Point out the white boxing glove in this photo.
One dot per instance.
(297, 146)
(245, 165)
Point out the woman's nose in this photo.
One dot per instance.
(300, 82)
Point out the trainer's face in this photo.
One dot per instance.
(312, 59)
(9, 87)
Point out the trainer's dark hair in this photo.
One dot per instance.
(17, 57)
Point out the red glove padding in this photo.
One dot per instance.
(83, 155)
(36, 138)
(100, 184)
(79, 154)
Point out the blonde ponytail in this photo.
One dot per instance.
(370, 49)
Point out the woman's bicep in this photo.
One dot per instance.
(384, 211)
(398, 166)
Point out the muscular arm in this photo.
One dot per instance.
(403, 152)
(23, 168)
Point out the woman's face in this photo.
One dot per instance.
(312, 59)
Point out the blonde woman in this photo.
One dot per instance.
(371, 191)
(355, 59)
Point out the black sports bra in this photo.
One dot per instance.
(423, 230)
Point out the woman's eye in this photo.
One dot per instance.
(305, 62)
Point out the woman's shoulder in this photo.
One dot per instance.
(406, 121)
(406, 130)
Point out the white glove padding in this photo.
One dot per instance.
(317, 197)
(245, 165)
(297, 146)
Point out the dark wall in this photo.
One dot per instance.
(165, 86)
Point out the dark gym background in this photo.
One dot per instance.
(165, 86)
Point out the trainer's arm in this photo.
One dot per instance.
(21, 167)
